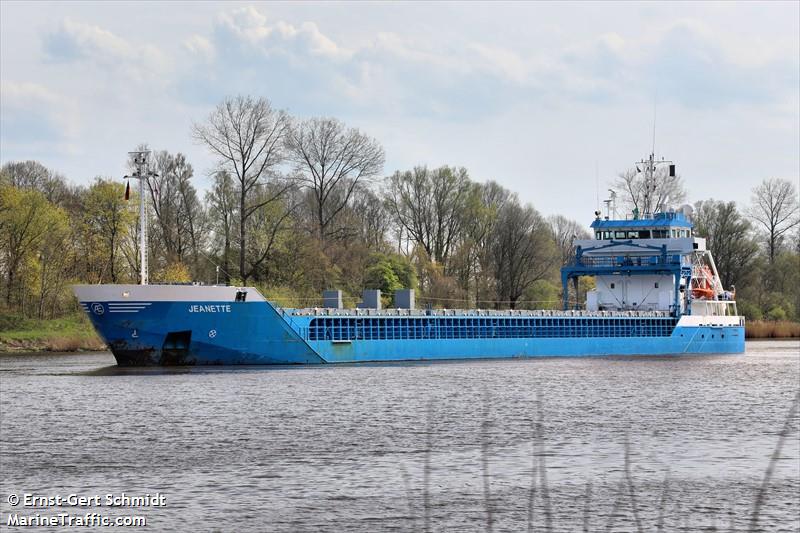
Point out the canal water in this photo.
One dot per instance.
(679, 443)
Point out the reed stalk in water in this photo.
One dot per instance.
(487, 489)
(426, 501)
(761, 496)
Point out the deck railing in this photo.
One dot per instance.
(379, 328)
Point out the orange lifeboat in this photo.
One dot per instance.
(703, 283)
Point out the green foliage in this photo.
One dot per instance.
(389, 273)
(776, 313)
(382, 276)
(33, 243)
(175, 272)
(108, 218)
(729, 238)
(750, 310)
(70, 332)
(404, 271)
(285, 296)
(543, 294)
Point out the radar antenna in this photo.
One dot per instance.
(611, 204)
(652, 202)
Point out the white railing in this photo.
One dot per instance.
(714, 308)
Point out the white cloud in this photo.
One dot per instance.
(451, 77)
(251, 27)
(33, 116)
(503, 62)
(201, 47)
(520, 94)
(81, 43)
(21, 97)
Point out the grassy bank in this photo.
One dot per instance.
(67, 334)
(771, 329)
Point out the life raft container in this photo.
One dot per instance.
(703, 283)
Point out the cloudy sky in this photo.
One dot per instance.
(541, 97)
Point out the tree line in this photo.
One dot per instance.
(298, 206)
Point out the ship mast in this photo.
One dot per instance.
(650, 205)
(142, 173)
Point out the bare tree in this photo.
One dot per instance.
(632, 185)
(331, 161)
(372, 219)
(728, 238)
(175, 205)
(267, 225)
(194, 220)
(776, 208)
(565, 232)
(221, 201)
(247, 135)
(32, 175)
(472, 261)
(430, 206)
(522, 251)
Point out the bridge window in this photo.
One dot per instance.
(620, 235)
(660, 234)
(597, 235)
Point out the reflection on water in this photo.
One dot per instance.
(343, 448)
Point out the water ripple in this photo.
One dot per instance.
(344, 448)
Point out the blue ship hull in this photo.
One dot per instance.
(228, 332)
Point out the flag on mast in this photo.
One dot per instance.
(127, 190)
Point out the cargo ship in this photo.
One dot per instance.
(657, 292)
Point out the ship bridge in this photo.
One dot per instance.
(639, 264)
(669, 225)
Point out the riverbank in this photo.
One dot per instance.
(68, 334)
(771, 329)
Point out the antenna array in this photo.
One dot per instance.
(142, 173)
